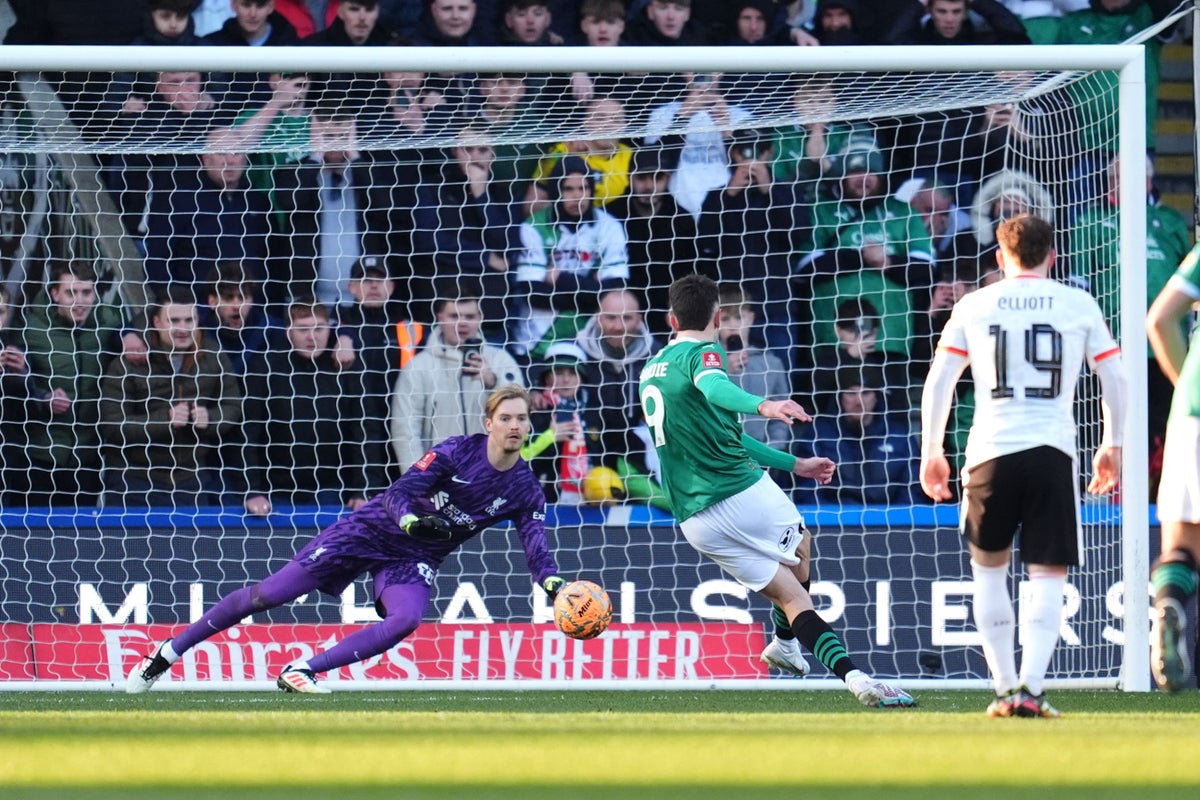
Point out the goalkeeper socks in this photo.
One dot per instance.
(783, 629)
(167, 651)
(994, 619)
(816, 635)
(1040, 624)
(1174, 576)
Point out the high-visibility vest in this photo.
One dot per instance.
(409, 336)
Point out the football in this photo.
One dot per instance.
(582, 610)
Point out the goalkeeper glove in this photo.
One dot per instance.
(552, 584)
(430, 527)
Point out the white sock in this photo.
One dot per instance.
(168, 652)
(1041, 619)
(299, 665)
(995, 620)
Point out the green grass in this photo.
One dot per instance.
(622, 745)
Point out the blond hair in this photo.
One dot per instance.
(510, 392)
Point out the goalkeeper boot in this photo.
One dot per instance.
(877, 694)
(300, 681)
(1033, 705)
(149, 669)
(784, 654)
(1168, 654)
(1003, 705)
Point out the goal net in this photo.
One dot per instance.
(353, 227)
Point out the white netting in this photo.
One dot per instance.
(467, 188)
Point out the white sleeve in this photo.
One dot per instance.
(405, 422)
(532, 262)
(505, 367)
(612, 246)
(1114, 399)
(659, 118)
(936, 398)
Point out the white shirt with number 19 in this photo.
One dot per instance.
(1026, 340)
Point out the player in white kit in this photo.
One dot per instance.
(1025, 339)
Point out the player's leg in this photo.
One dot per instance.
(790, 599)
(401, 605)
(290, 582)
(989, 520)
(1174, 572)
(1174, 580)
(783, 651)
(995, 620)
(1051, 541)
(820, 639)
(753, 536)
(1040, 624)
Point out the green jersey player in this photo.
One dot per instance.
(728, 507)
(1174, 573)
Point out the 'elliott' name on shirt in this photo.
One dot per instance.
(1025, 303)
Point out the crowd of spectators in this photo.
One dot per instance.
(326, 307)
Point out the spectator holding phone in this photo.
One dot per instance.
(443, 390)
(567, 422)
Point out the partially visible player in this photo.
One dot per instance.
(401, 538)
(713, 475)
(1026, 339)
(1174, 573)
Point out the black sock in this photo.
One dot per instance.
(783, 628)
(816, 635)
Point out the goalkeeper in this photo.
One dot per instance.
(460, 487)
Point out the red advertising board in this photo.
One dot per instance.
(16, 653)
(689, 651)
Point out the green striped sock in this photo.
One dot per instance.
(783, 628)
(1174, 579)
(816, 635)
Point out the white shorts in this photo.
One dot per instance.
(750, 534)
(1179, 489)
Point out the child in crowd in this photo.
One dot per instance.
(569, 426)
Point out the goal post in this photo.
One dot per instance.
(84, 592)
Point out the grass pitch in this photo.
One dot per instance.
(622, 745)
